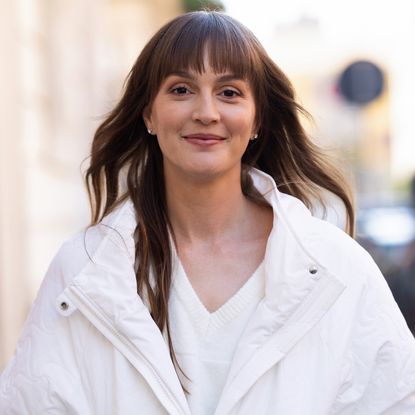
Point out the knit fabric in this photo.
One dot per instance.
(204, 342)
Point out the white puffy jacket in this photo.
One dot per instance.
(328, 337)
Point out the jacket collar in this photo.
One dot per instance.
(105, 292)
(294, 260)
(299, 291)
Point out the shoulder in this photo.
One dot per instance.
(365, 286)
(365, 326)
(76, 252)
(367, 297)
(338, 251)
(330, 208)
(32, 372)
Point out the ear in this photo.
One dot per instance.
(256, 127)
(147, 117)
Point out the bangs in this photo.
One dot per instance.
(228, 45)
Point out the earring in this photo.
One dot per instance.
(150, 131)
(254, 137)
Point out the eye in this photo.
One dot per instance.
(230, 93)
(180, 90)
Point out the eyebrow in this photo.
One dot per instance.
(222, 78)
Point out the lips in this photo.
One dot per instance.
(204, 137)
(202, 140)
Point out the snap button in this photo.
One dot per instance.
(64, 306)
(313, 270)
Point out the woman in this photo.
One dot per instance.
(200, 178)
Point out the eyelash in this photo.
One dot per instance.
(235, 93)
(176, 89)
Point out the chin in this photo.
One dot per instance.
(209, 173)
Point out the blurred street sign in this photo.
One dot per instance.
(361, 82)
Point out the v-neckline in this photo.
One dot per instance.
(253, 289)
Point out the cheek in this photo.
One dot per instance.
(168, 119)
(243, 119)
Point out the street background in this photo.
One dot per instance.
(352, 64)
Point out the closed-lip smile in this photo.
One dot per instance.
(203, 136)
(203, 140)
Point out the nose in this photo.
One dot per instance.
(206, 110)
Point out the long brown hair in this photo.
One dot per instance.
(122, 147)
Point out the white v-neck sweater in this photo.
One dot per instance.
(204, 342)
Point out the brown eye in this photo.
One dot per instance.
(229, 93)
(180, 90)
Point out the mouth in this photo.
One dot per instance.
(203, 139)
(202, 136)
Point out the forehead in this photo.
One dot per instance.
(208, 73)
(207, 68)
(207, 57)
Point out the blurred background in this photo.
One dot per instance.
(63, 66)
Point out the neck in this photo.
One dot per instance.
(208, 210)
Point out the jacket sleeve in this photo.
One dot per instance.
(41, 376)
(379, 370)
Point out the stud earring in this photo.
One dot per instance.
(150, 131)
(254, 137)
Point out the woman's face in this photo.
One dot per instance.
(203, 123)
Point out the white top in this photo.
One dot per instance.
(204, 342)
